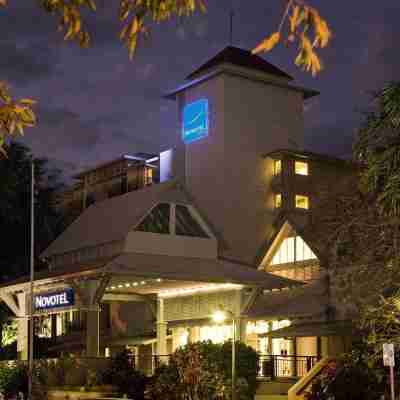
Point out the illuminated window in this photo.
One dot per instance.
(278, 200)
(277, 167)
(301, 168)
(291, 250)
(148, 176)
(302, 202)
(216, 333)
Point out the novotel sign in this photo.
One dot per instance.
(195, 121)
(62, 298)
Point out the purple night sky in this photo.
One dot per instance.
(95, 104)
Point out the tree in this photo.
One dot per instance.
(357, 228)
(301, 24)
(15, 194)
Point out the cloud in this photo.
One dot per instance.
(23, 64)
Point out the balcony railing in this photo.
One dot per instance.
(270, 366)
(285, 366)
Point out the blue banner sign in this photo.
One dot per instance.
(63, 298)
(195, 121)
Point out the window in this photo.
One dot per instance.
(278, 200)
(301, 168)
(277, 167)
(157, 221)
(302, 202)
(186, 225)
(291, 250)
(148, 176)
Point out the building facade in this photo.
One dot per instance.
(160, 241)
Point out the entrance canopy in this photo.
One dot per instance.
(149, 266)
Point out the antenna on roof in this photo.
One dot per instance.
(231, 15)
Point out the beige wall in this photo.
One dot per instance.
(225, 172)
(306, 346)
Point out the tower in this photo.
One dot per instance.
(234, 109)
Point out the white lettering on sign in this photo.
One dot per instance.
(388, 354)
(54, 300)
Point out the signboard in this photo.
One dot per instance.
(388, 354)
(62, 298)
(195, 121)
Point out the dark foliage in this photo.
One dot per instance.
(204, 371)
(122, 375)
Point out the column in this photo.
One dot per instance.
(161, 329)
(241, 327)
(23, 328)
(92, 333)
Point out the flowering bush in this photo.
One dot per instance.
(202, 371)
(351, 378)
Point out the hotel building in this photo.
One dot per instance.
(158, 242)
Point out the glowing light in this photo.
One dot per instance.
(120, 286)
(219, 316)
(127, 284)
(159, 280)
(143, 283)
(112, 287)
(135, 284)
(199, 289)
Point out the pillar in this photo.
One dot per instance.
(161, 329)
(241, 329)
(92, 333)
(22, 328)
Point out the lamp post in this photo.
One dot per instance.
(219, 317)
(32, 277)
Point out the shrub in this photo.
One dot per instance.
(350, 378)
(122, 375)
(13, 379)
(204, 371)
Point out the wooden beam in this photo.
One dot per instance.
(12, 304)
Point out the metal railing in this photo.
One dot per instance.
(285, 366)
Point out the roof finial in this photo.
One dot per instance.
(231, 15)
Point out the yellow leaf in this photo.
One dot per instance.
(20, 128)
(11, 127)
(294, 19)
(28, 101)
(132, 46)
(123, 32)
(268, 44)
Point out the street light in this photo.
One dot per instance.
(219, 317)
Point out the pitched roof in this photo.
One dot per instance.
(110, 220)
(241, 58)
(309, 300)
(195, 269)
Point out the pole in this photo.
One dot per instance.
(233, 358)
(31, 320)
(392, 382)
(231, 15)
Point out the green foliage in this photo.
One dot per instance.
(15, 173)
(129, 381)
(351, 378)
(378, 148)
(203, 371)
(13, 379)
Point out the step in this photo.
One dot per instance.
(270, 397)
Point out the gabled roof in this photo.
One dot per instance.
(282, 227)
(110, 220)
(242, 58)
